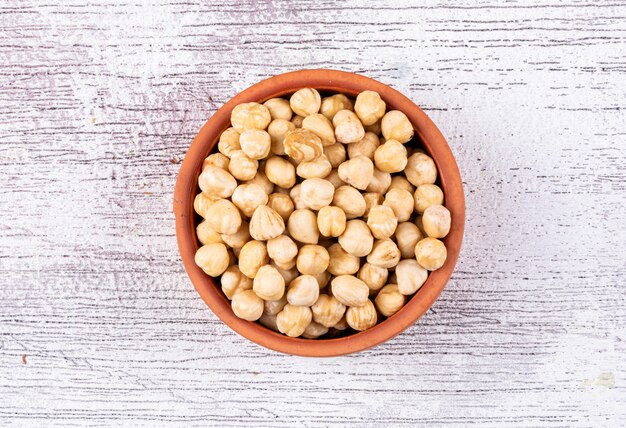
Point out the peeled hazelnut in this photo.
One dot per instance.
(250, 116)
(279, 108)
(400, 182)
(266, 223)
(348, 127)
(206, 235)
(282, 249)
(420, 169)
(229, 142)
(316, 193)
(375, 127)
(239, 238)
(312, 259)
(373, 276)
(287, 274)
(391, 156)
(389, 300)
(363, 317)
(241, 166)
(427, 195)
(247, 197)
(380, 181)
(302, 226)
(436, 221)
(305, 101)
(336, 154)
(255, 143)
(382, 221)
(407, 236)
(233, 281)
(357, 239)
(322, 278)
(357, 172)
(223, 217)
(349, 290)
(253, 255)
(269, 321)
(331, 221)
(214, 181)
(216, 159)
(280, 172)
(297, 121)
(334, 178)
(320, 126)
(247, 305)
(401, 202)
(303, 291)
(295, 195)
(213, 259)
(303, 145)
(431, 253)
(366, 146)
(342, 324)
(293, 320)
(268, 284)
(291, 264)
(396, 126)
(327, 310)
(278, 129)
(273, 307)
(369, 107)
(342, 262)
(410, 276)
(314, 330)
(202, 202)
(282, 204)
(261, 179)
(371, 200)
(335, 103)
(385, 254)
(317, 168)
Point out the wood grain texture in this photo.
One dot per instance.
(99, 324)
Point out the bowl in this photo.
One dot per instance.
(428, 137)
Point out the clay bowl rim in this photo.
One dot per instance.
(350, 84)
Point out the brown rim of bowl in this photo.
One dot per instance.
(324, 80)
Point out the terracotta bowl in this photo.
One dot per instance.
(426, 135)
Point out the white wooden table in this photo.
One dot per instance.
(99, 324)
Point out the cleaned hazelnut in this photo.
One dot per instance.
(229, 142)
(269, 321)
(303, 145)
(317, 168)
(371, 200)
(233, 281)
(390, 157)
(407, 236)
(216, 159)
(331, 221)
(302, 226)
(366, 146)
(327, 310)
(252, 256)
(322, 278)
(293, 320)
(320, 126)
(342, 324)
(213, 259)
(357, 172)
(342, 262)
(401, 202)
(400, 182)
(247, 197)
(334, 178)
(223, 217)
(314, 330)
(373, 276)
(239, 238)
(250, 116)
(266, 223)
(202, 202)
(335, 103)
(385, 254)
(268, 284)
(382, 221)
(206, 235)
(431, 253)
(255, 143)
(316, 193)
(273, 307)
(261, 179)
(305, 101)
(410, 276)
(369, 107)
(295, 195)
(303, 291)
(348, 127)
(427, 195)
(357, 239)
(389, 300)
(247, 305)
(280, 172)
(363, 317)
(241, 166)
(282, 249)
(436, 221)
(336, 154)
(420, 169)
(396, 126)
(380, 181)
(215, 182)
(282, 204)
(312, 259)
(277, 130)
(375, 127)
(287, 274)
(279, 108)
(349, 290)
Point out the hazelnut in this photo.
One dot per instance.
(369, 107)
(223, 217)
(336, 154)
(279, 108)
(261, 179)
(305, 101)
(349, 290)
(239, 238)
(312, 259)
(373, 276)
(420, 169)
(213, 259)
(282, 249)
(255, 143)
(372, 200)
(287, 274)
(293, 320)
(327, 310)
(206, 235)
(268, 284)
(366, 146)
(280, 172)
(253, 255)
(229, 142)
(436, 221)
(215, 182)
(410, 276)
(269, 321)
(202, 202)
(348, 127)
(317, 168)
(233, 281)
(314, 330)
(322, 278)
(400, 182)
(334, 178)
(273, 307)
(247, 197)
(375, 127)
(382, 221)
(385, 254)
(320, 126)
(427, 195)
(396, 126)
(431, 253)
(357, 172)
(241, 166)
(297, 121)
(390, 157)
(216, 159)
(266, 224)
(316, 193)
(342, 324)
(295, 195)
(331, 221)
(363, 317)
(342, 262)
(303, 291)
(278, 129)
(247, 305)
(357, 239)
(250, 116)
(302, 226)
(380, 181)
(401, 202)
(282, 204)
(335, 103)
(407, 236)
(389, 300)
(303, 145)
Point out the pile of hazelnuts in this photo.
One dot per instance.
(317, 216)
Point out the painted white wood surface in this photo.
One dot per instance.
(99, 324)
